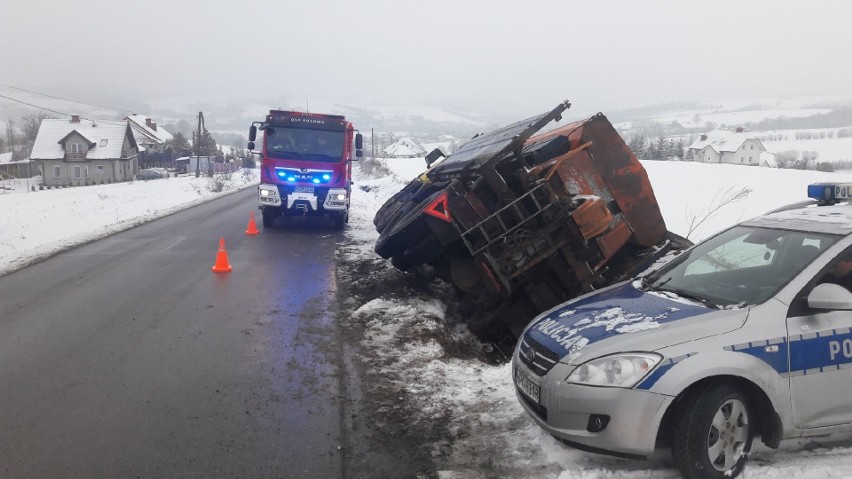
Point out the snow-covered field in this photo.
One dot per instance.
(476, 396)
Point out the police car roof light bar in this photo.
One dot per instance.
(830, 193)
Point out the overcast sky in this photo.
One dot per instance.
(464, 54)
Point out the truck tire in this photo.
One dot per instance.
(713, 433)
(340, 219)
(268, 217)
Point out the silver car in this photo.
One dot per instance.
(747, 334)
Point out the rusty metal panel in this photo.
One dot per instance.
(614, 240)
(610, 170)
(592, 217)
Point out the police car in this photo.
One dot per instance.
(747, 334)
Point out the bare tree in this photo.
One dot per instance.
(719, 201)
(29, 130)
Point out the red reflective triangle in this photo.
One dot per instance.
(438, 208)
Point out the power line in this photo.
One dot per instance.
(34, 106)
(68, 99)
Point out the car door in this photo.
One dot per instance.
(820, 359)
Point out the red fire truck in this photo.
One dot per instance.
(306, 165)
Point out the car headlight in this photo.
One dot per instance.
(266, 193)
(618, 370)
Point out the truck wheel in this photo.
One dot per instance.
(340, 219)
(713, 433)
(268, 217)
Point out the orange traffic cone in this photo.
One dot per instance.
(252, 226)
(222, 265)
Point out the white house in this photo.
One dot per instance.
(405, 148)
(82, 152)
(146, 132)
(728, 146)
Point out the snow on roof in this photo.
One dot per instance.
(107, 137)
(723, 140)
(145, 133)
(405, 147)
(5, 158)
(836, 219)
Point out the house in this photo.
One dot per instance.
(405, 148)
(728, 146)
(82, 152)
(147, 133)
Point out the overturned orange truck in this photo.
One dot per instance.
(520, 222)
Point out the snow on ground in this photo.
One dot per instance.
(416, 337)
(37, 224)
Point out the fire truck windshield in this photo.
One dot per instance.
(304, 144)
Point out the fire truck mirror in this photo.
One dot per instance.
(251, 145)
(358, 154)
(359, 142)
(252, 133)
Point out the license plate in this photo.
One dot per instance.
(525, 384)
(304, 189)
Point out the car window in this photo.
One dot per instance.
(740, 266)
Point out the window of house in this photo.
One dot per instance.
(100, 169)
(750, 159)
(742, 159)
(76, 151)
(103, 142)
(750, 147)
(78, 172)
(57, 171)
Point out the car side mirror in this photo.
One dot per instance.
(830, 296)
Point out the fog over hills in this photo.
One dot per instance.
(229, 117)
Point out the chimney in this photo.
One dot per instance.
(154, 125)
(75, 118)
(739, 129)
(148, 122)
(703, 137)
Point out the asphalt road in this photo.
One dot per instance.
(129, 357)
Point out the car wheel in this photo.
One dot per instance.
(713, 433)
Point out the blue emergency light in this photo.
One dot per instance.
(830, 193)
(303, 176)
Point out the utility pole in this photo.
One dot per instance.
(198, 145)
(373, 142)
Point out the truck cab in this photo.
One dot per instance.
(306, 165)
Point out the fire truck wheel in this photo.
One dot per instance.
(340, 219)
(268, 217)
